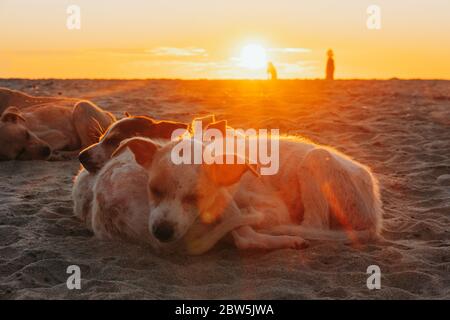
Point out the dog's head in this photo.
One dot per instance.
(94, 157)
(17, 141)
(183, 194)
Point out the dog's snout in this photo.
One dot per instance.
(163, 231)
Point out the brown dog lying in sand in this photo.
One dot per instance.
(21, 100)
(55, 128)
(95, 156)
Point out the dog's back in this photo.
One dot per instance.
(21, 100)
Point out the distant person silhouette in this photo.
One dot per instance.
(272, 71)
(330, 65)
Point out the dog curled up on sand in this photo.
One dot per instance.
(52, 128)
(318, 193)
(117, 181)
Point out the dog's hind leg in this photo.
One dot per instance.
(337, 194)
(247, 238)
(90, 122)
(310, 176)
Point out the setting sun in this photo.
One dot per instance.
(253, 56)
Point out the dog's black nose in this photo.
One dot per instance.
(163, 231)
(45, 151)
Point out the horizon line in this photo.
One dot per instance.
(229, 79)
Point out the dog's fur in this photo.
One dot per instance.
(113, 203)
(98, 194)
(61, 129)
(318, 193)
(21, 100)
(95, 156)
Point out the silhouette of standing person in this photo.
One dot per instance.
(272, 71)
(330, 65)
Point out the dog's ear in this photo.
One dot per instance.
(143, 149)
(127, 114)
(12, 114)
(224, 174)
(205, 121)
(164, 129)
(219, 125)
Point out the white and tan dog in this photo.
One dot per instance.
(319, 193)
(112, 187)
(113, 203)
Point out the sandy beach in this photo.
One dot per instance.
(400, 129)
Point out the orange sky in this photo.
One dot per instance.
(204, 38)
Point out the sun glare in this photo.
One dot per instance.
(253, 56)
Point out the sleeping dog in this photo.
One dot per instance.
(95, 156)
(36, 128)
(318, 193)
(21, 100)
(112, 185)
(112, 203)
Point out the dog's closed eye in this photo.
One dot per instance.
(113, 141)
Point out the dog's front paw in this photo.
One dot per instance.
(298, 243)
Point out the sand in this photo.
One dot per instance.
(401, 129)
